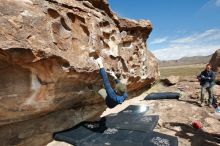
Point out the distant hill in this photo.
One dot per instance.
(186, 61)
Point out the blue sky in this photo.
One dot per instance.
(181, 27)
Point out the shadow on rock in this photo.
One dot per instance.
(197, 137)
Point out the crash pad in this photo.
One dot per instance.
(90, 134)
(137, 122)
(162, 95)
(135, 109)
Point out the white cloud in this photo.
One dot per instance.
(199, 44)
(211, 34)
(217, 3)
(159, 40)
(211, 4)
(177, 52)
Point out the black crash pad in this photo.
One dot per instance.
(134, 115)
(162, 95)
(87, 134)
(135, 109)
(137, 122)
(80, 133)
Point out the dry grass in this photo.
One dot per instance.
(185, 70)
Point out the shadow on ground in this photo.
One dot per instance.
(197, 137)
(191, 102)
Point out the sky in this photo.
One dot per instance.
(181, 28)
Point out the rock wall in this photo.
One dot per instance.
(215, 62)
(47, 63)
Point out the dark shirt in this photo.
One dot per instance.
(207, 78)
(112, 98)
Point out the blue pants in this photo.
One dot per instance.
(112, 98)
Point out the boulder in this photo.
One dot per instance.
(215, 62)
(47, 64)
(171, 80)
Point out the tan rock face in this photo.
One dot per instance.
(215, 61)
(46, 61)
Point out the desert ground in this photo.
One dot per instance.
(182, 70)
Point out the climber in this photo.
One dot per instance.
(112, 97)
(207, 82)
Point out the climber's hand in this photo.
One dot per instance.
(99, 61)
(113, 74)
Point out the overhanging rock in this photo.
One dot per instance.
(46, 62)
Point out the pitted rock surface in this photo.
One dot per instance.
(47, 63)
(215, 62)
